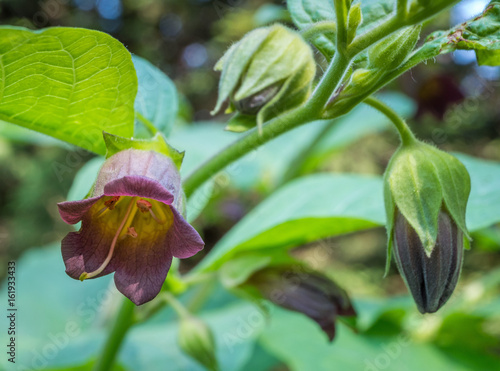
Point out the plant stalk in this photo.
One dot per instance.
(124, 320)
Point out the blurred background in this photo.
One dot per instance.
(450, 102)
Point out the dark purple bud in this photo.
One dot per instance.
(252, 105)
(306, 292)
(430, 279)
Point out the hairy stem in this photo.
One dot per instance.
(318, 29)
(404, 131)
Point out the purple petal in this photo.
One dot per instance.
(141, 267)
(86, 250)
(73, 211)
(183, 240)
(140, 186)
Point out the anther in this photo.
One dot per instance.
(132, 232)
(111, 203)
(144, 206)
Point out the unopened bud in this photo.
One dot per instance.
(269, 71)
(353, 21)
(430, 279)
(197, 341)
(389, 53)
(426, 192)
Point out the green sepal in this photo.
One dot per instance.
(390, 209)
(389, 53)
(354, 19)
(283, 54)
(158, 143)
(456, 185)
(273, 74)
(240, 123)
(416, 191)
(235, 62)
(294, 92)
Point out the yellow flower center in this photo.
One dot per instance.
(112, 211)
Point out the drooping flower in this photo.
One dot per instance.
(304, 291)
(426, 192)
(131, 225)
(430, 279)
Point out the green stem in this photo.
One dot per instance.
(176, 305)
(299, 160)
(317, 29)
(147, 124)
(402, 8)
(405, 132)
(123, 322)
(341, 15)
(372, 36)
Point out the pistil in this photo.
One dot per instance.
(126, 219)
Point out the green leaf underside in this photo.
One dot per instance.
(481, 34)
(68, 83)
(305, 13)
(157, 98)
(310, 208)
(321, 206)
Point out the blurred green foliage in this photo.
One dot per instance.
(457, 109)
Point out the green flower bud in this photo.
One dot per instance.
(426, 192)
(353, 21)
(197, 341)
(389, 53)
(269, 71)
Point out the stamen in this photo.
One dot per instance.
(109, 205)
(98, 271)
(144, 206)
(153, 215)
(132, 232)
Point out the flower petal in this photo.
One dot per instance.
(73, 211)
(183, 240)
(136, 185)
(141, 268)
(84, 251)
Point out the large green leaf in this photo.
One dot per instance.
(68, 83)
(305, 13)
(156, 99)
(305, 210)
(324, 205)
(481, 34)
(303, 347)
(483, 208)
